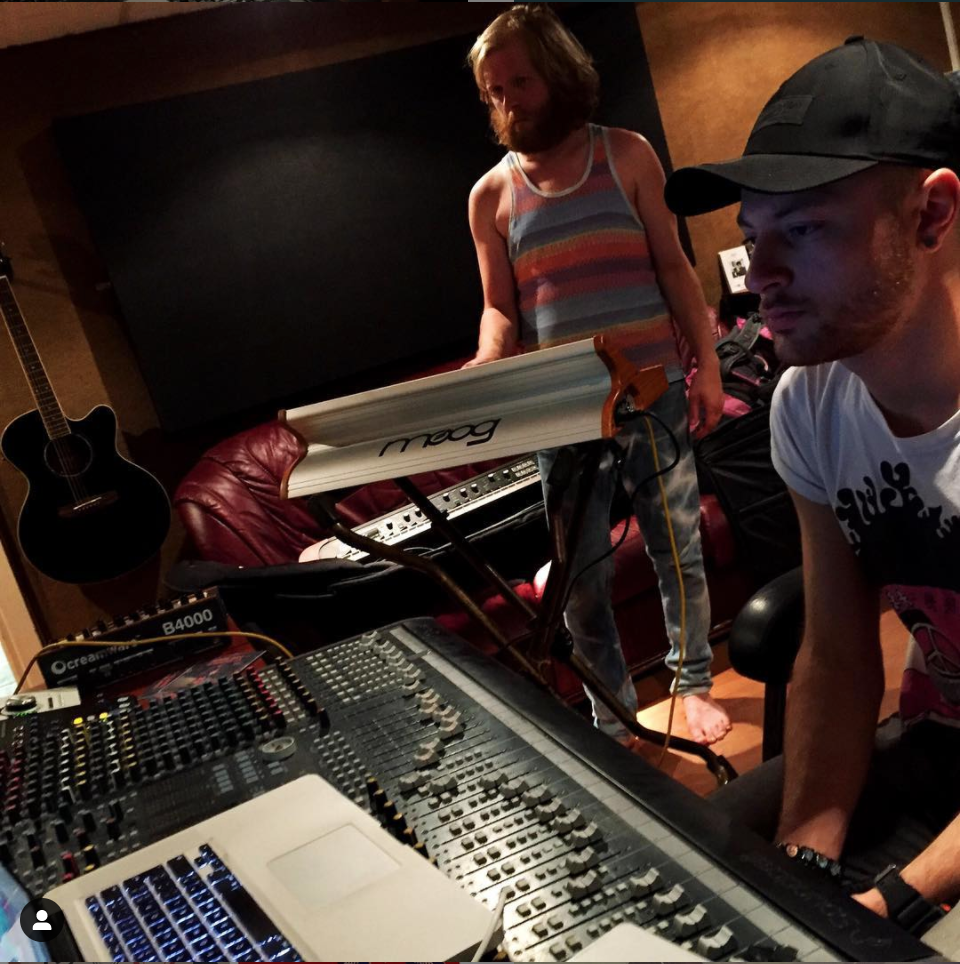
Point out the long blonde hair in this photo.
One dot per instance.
(556, 54)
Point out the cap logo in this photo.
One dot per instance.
(787, 110)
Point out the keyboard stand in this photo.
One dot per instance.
(550, 638)
(554, 639)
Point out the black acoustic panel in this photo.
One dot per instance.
(269, 239)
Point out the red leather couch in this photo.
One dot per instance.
(232, 511)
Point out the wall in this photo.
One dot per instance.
(713, 64)
(59, 278)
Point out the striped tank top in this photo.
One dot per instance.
(582, 264)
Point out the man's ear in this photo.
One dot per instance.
(940, 207)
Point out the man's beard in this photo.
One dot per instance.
(540, 132)
(863, 318)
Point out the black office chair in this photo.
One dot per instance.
(763, 645)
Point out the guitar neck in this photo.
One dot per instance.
(53, 418)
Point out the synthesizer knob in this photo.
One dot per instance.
(22, 703)
(578, 863)
(113, 828)
(716, 945)
(421, 848)
(389, 809)
(490, 781)
(91, 857)
(535, 795)
(398, 825)
(588, 883)
(411, 781)
(569, 821)
(768, 950)
(645, 883)
(60, 829)
(672, 900)
(587, 835)
(88, 820)
(426, 756)
(280, 748)
(372, 787)
(378, 800)
(691, 921)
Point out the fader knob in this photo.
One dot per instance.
(280, 748)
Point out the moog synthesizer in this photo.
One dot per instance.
(501, 785)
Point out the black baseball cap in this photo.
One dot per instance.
(847, 110)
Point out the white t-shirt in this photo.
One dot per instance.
(898, 503)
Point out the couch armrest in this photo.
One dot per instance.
(766, 634)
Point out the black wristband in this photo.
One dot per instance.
(905, 905)
(813, 858)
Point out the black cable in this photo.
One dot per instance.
(623, 535)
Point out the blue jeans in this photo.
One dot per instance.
(589, 612)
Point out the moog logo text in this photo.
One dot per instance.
(478, 434)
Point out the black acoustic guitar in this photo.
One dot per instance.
(89, 514)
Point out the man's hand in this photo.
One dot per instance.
(705, 400)
(873, 900)
(479, 359)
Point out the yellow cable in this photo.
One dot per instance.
(54, 647)
(683, 594)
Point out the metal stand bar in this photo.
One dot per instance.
(550, 638)
(324, 514)
(553, 639)
(440, 521)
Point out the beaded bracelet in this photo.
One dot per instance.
(813, 858)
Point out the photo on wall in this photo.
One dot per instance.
(734, 263)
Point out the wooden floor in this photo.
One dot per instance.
(743, 699)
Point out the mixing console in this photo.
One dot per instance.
(499, 784)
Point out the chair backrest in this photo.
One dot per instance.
(231, 507)
(230, 501)
(763, 645)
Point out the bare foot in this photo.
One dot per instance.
(707, 720)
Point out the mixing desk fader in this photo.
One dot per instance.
(507, 790)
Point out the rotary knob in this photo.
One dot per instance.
(281, 748)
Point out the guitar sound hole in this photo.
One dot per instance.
(69, 456)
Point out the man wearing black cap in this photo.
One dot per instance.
(848, 190)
